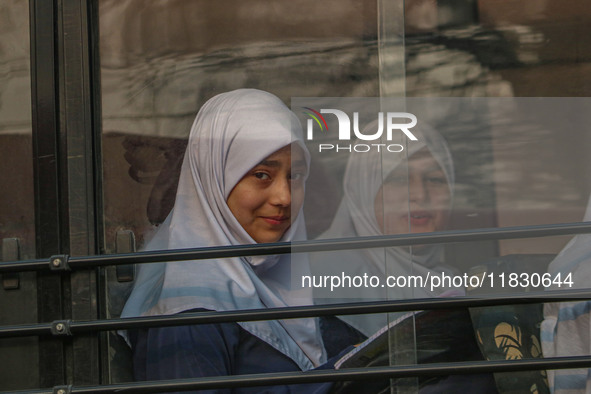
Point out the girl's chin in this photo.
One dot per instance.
(422, 229)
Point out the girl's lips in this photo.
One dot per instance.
(275, 220)
(419, 218)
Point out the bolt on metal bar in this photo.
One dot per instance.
(331, 375)
(212, 317)
(307, 246)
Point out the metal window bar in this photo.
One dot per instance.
(67, 328)
(284, 378)
(298, 247)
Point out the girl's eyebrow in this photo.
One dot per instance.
(277, 163)
(269, 163)
(434, 169)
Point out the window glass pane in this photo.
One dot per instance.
(162, 60)
(18, 295)
(15, 128)
(498, 161)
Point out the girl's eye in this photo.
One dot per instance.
(297, 176)
(397, 179)
(262, 176)
(437, 180)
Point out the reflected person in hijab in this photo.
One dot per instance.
(386, 193)
(242, 182)
(398, 193)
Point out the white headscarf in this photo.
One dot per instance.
(575, 256)
(356, 217)
(566, 329)
(232, 133)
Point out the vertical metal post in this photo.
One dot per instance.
(50, 206)
(76, 126)
(64, 155)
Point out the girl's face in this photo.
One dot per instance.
(265, 198)
(414, 202)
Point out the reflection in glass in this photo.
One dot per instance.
(516, 162)
(18, 302)
(17, 216)
(511, 168)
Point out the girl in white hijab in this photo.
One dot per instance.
(389, 193)
(399, 193)
(242, 182)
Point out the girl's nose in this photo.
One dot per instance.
(281, 193)
(416, 189)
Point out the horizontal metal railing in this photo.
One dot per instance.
(382, 241)
(70, 328)
(319, 376)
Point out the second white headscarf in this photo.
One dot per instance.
(355, 217)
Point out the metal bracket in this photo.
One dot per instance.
(59, 263)
(62, 389)
(11, 252)
(61, 328)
